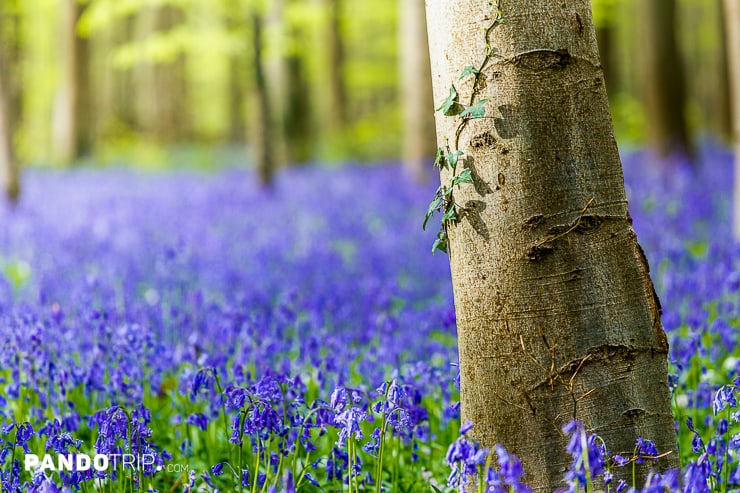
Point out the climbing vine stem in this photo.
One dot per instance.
(447, 157)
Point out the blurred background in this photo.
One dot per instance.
(269, 83)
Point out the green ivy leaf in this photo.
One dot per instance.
(439, 161)
(463, 177)
(433, 206)
(440, 243)
(450, 215)
(453, 157)
(451, 106)
(468, 70)
(478, 110)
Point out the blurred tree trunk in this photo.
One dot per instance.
(161, 85)
(556, 313)
(260, 108)
(336, 93)
(605, 38)
(298, 129)
(416, 89)
(70, 136)
(8, 118)
(721, 107)
(732, 26)
(276, 76)
(663, 79)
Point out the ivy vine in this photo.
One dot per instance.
(450, 156)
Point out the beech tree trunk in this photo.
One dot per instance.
(732, 27)
(8, 165)
(663, 79)
(557, 316)
(11, 182)
(68, 122)
(337, 96)
(276, 76)
(416, 89)
(260, 109)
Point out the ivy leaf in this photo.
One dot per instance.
(439, 161)
(453, 157)
(430, 212)
(451, 106)
(440, 243)
(478, 110)
(450, 215)
(463, 177)
(468, 70)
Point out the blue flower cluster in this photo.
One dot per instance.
(303, 338)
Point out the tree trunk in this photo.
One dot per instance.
(11, 182)
(556, 313)
(416, 89)
(720, 107)
(261, 109)
(8, 165)
(276, 75)
(732, 26)
(337, 98)
(605, 39)
(67, 119)
(663, 80)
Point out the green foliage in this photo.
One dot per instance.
(451, 106)
(605, 11)
(17, 273)
(469, 70)
(443, 201)
(478, 110)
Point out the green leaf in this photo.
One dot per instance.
(453, 157)
(463, 177)
(440, 243)
(450, 106)
(439, 161)
(436, 490)
(468, 70)
(478, 110)
(450, 215)
(430, 212)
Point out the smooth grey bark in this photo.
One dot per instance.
(663, 79)
(416, 89)
(67, 119)
(276, 76)
(732, 28)
(557, 316)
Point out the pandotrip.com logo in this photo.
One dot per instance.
(84, 462)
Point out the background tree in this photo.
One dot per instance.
(663, 81)
(70, 130)
(557, 316)
(261, 128)
(8, 117)
(732, 28)
(416, 89)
